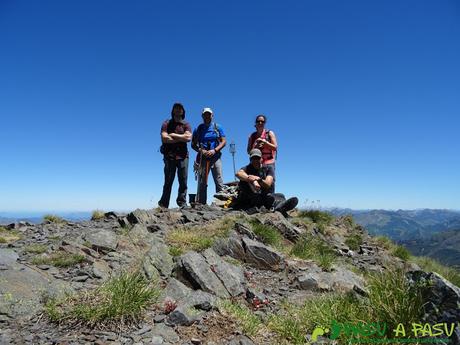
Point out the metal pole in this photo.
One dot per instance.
(232, 151)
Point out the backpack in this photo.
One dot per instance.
(215, 128)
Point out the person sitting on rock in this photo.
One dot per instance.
(255, 188)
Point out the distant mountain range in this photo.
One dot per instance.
(425, 232)
(37, 217)
(402, 225)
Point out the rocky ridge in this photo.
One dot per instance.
(236, 267)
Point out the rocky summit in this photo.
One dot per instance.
(208, 275)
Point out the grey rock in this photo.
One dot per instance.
(102, 240)
(261, 256)
(241, 340)
(144, 217)
(287, 229)
(167, 333)
(156, 340)
(101, 269)
(441, 300)
(183, 316)
(8, 256)
(230, 275)
(158, 256)
(230, 246)
(200, 274)
(23, 288)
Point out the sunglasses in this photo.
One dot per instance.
(260, 121)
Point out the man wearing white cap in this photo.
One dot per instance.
(208, 140)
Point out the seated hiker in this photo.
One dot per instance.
(256, 187)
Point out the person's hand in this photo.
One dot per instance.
(252, 178)
(211, 153)
(256, 185)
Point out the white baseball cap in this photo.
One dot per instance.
(207, 110)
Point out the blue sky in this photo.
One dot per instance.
(364, 97)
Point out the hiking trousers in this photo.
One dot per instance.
(216, 171)
(171, 165)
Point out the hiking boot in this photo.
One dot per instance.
(286, 205)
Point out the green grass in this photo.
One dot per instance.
(120, 301)
(354, 241)
(401, 252)
(384, 242)
(317, 216)
(313, 248)
(97, 215)
(175, 251)
(432, 265)
(53, 219)
(59, 259)
(8, 236)
(245, 318)
(201, 237)
(267, 233)
(36, 248)
(391, 300)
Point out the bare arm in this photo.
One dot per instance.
(273, 144)
(166, 138)
(186, 137)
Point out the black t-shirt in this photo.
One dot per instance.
(176, 150)
(263, 172)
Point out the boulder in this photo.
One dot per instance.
(231, 276)
(199, 274)
(441, 300)
(261, 256)
(286, 228)
(102, 240)
(23, 288)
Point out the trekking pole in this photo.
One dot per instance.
(199, 173)
(233, 151)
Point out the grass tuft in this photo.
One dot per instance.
(59, 259)
(267, 233)
(313, 248)
(118, 302)
(384, 242)
(36, 248)
(317, 216)
(53, 219)
(175, 251)
(8, 236)
(401, 252)
(392, 300)
(244, 317)
(98, 215)
(199, 238)
(354, 241)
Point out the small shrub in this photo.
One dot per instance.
(119, 301)
(36, 248)
(401, 252)
(313, 248)
(348, 220)
(59, 259)
(354, 241)
(97, 215)
(317, 216)
(53, 219)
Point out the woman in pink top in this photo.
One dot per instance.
(264, 140)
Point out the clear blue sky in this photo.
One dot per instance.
(364, 97)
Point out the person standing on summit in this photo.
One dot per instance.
(175, 134)
(208, 140)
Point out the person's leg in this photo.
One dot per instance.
(216, 170)
(182, 174)
(274, 175)
(169, 172)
